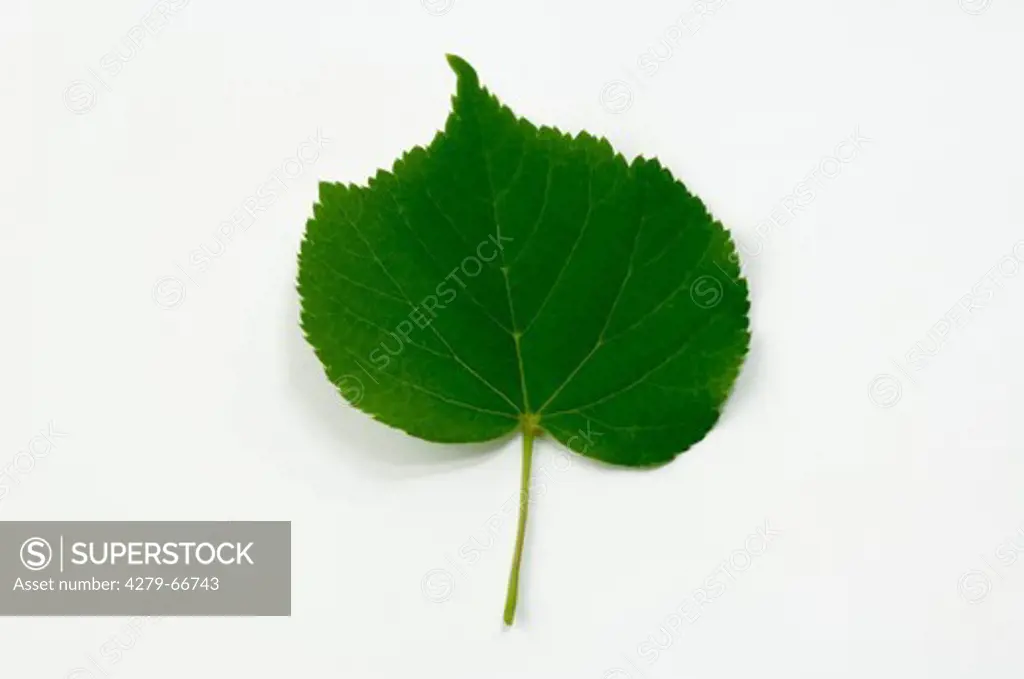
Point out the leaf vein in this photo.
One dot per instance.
(434, 394)
(677, 353)
(461, 362)
(608, 320)
(408, 224)
(568, 259)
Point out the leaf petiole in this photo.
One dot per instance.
(511, 597)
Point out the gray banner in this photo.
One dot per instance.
(145, 568)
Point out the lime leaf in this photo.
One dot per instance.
(512, 277)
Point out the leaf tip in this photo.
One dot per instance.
(465, 73)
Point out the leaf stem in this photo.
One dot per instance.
(524, 503)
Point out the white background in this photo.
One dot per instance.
(893, 482)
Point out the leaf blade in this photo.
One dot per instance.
(557, 325)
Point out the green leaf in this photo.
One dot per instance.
(512, 277)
